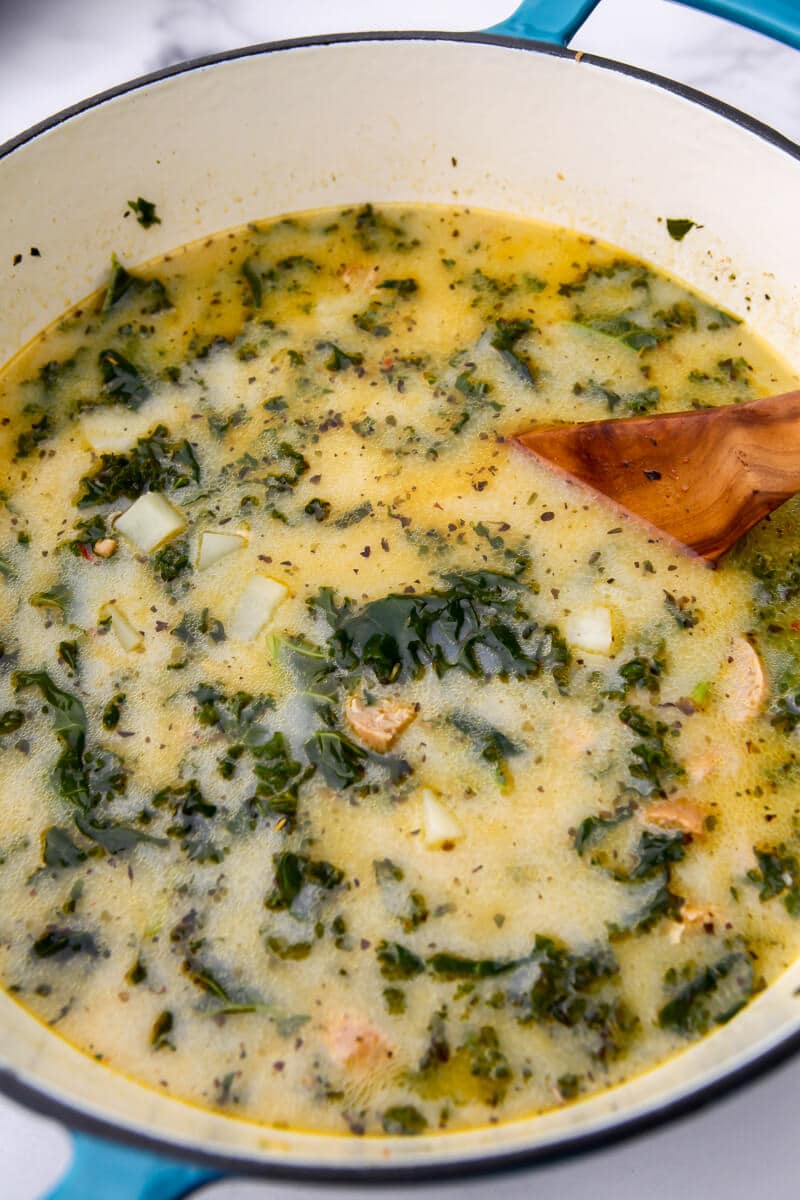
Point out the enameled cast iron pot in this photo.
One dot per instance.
(495, 120)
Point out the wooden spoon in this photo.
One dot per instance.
(702, 477)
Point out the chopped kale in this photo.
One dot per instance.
(504, 338)
(145, 212)
(123, 284)
(477, 625)
(404, 1120)
(634, 404)
(294, 873)
(678, 227)
(253, 278)
(114, 839)
(486, 1059)
(398, 962)
(59, 852)
(652, 765)
(30, 439)
(279, 776)
(111, 712)
(154, 464)
(172, 561)
(777, 874)
(91, 530)
(68, 655)
(63, 943)
(403, 287)
(122, 381)
(623, 328)
(340, 760)
(57, 599)
(318, 509)
(681, 609)
(193, 820)
(338, 359)
(489, 743)
(160, 1034)
(708, 995)
(11, 720)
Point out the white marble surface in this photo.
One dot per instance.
(53, 53)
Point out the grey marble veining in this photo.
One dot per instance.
(56, 52)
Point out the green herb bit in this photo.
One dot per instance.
(686, 617)
(397, 962)
(279, 776)
(490, 744)
(68, 655)
(403, 287)
(137, 973)
(708, 995)
(404, 1120)
(172, 561)
(678, 227)
(112, 711)
(69, 726)
(340, 360)
(193, 818)
(62, 943)
(294, 873)
(318, 509)
(114, 839)
(486, 1059)
(289, 951)
(145, 212)
(30, 439)
(123, 283)
(160, 1034)
(11, 720)
(122, 381)
(395, 1000)
(57, 599)
(777, 874)
(504, 338)
(340, 760)
(653, 765)
(622, 328)
(641, 672)
(91, 530)
(59, 852)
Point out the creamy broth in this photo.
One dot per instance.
(358, 774)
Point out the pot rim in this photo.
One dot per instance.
(505, 1162)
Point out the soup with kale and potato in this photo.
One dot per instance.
(358, 774)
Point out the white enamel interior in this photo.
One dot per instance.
(550, 137)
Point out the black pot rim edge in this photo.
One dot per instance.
(489, 1164)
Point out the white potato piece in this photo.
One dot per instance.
(590, 629)
(150, 521)
(255, 607)
(128, 637)
(440, 829)
(213, 545)
(743, 684)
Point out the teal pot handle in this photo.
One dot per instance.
(105, 1171)
(559, 20)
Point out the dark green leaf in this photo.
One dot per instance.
(145, 212)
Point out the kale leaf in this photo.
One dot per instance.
(154, 464)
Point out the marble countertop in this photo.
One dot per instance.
(53, 54)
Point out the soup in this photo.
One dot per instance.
(358, 774)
